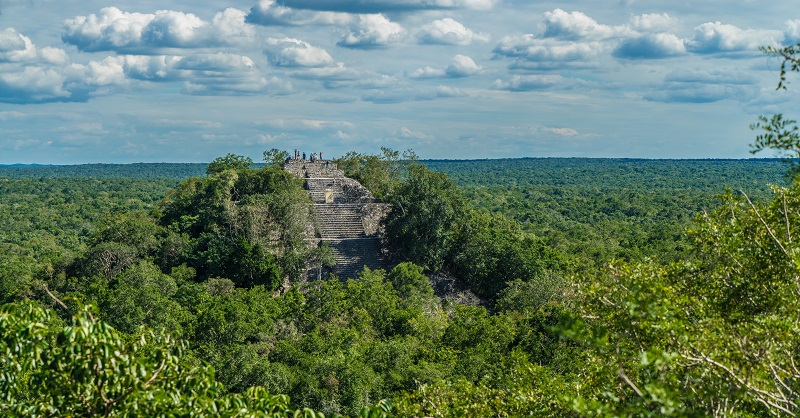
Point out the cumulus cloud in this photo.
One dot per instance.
(659, 45)
(653, 22)
(791, 35)
(460, 66)
(463, 66)
(115, 30)
(33, 85)
(291, 52)
(226, 74)
(383, 6)
(270, 13)
(577, 26)
(18, 48)
(32, 75)
(713, 37)
(427, 72)
(530, 48)
(373, 31)
(449, 32)
(577, 40)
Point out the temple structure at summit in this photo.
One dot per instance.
(348, 216)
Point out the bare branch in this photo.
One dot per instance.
(55, 299)
(764, 223)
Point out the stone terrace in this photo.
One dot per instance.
(348, 216)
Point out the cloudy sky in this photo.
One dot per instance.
(187, 81)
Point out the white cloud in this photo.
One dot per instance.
(715, 37)
(32, 85)
(659, 45)
(427, 72)
(791, 33)
(115, 30)
(172, 29)
(16, 47)
(372, 31)
(54, 56)
(463, 66)
(653, 22)
(383, 6)
(530, 48)
(577, 26)
(229, 25)
(449, 32)
(32, 75)
(154, 68)
(291, 52)
(460, 66)
(407, 133)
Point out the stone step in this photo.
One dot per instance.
(341, 223)
(353, 254)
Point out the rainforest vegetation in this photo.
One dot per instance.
(600, 287)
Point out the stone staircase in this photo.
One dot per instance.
(348, 216)
(338, 221)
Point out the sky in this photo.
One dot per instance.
(113, 81)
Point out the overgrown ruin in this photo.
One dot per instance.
(349, 217)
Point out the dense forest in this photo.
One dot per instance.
(207, 271)
(597, 288)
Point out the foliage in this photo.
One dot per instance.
(276, 156)
(247, 225)
(378, 173)
(780, 135)
(713, 336)
(523, 389)
(114, 172)
(427, 209)
(714, 333)
(86, 368)
(229, 162)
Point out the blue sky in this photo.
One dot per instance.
(187, 81)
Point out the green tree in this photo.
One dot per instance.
(276, 157)
(427, 215)
(86, 368)
(380, 174)
(228, 162)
